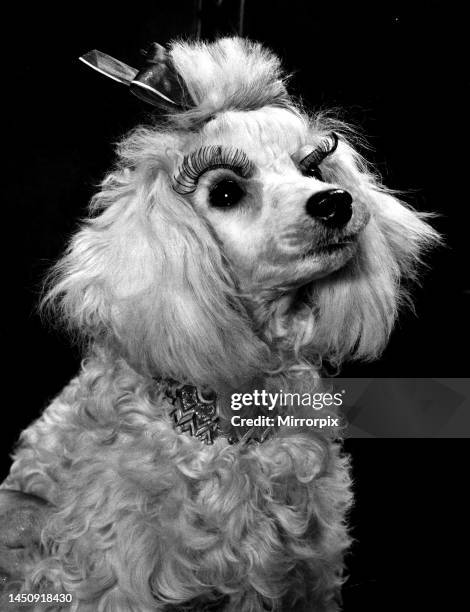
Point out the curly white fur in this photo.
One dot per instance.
(161, 285)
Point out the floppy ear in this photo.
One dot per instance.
(405, 230)
(147, 277)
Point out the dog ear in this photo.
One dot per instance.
(406, 231)
(147, 278)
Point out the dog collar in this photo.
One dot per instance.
(195, 412)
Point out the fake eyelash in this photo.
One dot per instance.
(197, 163)
(327, 146)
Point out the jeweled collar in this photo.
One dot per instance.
(195, 412)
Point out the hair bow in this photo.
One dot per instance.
(157, 83)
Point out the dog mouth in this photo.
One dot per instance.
(333, 247)
(340, 243)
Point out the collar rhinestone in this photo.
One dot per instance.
(195, 412)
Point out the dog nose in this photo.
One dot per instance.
(332, 207)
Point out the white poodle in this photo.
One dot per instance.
(239, 244)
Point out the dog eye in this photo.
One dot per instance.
(225, 193)
(313, 171)
(310, 164)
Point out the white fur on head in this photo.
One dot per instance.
(147, 277)
(232, 73)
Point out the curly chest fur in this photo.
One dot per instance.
(168, 518)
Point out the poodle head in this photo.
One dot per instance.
(240, 234)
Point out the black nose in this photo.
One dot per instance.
(332, 207)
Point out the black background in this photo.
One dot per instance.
(394, 69)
